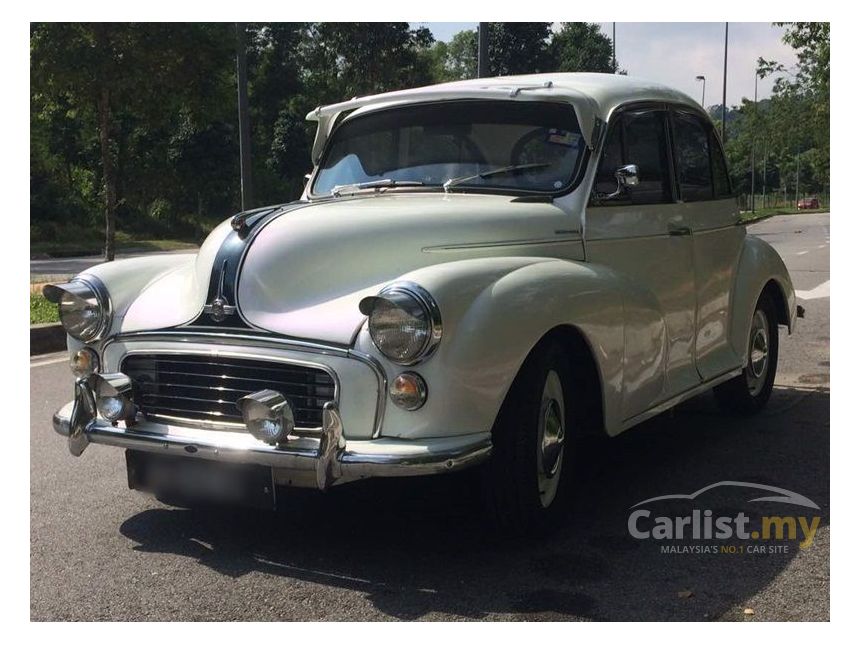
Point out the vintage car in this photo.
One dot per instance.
(478, 274)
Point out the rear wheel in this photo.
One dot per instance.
(748, 392)
(524, 481)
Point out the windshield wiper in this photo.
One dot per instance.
(495, 171)
(346, 189)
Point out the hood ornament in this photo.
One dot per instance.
(220, 308)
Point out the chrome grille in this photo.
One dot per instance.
(205, 388)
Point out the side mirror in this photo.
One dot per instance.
(627, 175)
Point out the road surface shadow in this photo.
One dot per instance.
(419, 547)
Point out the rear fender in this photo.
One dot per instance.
(759, 266)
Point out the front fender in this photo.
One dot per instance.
(126, 280)
(759, 265)
(494, 311)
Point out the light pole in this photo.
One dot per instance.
(483, 50)
(725, 71)
(752, 149)
(614, 61)
(244, 123)
(702, 78)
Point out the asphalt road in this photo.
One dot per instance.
(417, 549)
(53, 268)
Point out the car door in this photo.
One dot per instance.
(642, 233)
(711, 212)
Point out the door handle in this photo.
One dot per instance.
(675, 229)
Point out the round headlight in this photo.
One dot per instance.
(84, 308)
(404, 322)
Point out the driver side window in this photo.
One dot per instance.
(635, 137)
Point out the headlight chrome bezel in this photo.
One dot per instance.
(87, 288)
(427, 305)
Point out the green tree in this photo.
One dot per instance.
(105, 73)
(461, 56)
(519, 48)
(581, 47)
(345, 59)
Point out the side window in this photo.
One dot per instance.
(636, 138)
(719, 171)
(645, 139)
(692, 158)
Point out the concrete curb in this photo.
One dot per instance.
(47, 338)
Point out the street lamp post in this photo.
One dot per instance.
(614, 60)
(752, 149)
(702, 78)
(725, 72)
(483, 50)
(244, 123)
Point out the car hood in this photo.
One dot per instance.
(305, 270)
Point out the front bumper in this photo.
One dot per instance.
(303, 461)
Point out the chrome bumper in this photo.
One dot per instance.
(304, 461)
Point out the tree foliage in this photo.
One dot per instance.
(580, 47)
(788, 135)
(136, 123)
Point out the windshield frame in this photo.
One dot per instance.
(576, 177)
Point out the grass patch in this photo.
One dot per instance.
(42, 311)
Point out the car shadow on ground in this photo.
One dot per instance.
(419, 548)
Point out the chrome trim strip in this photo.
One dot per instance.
(503, 243)
(250, 340)
(186, 335)
(333, 459)
(679, 398)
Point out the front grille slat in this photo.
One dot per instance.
(294, 390)
(206, 388)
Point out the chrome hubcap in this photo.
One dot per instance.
(757, 362)
(550, 449)
(553, 438)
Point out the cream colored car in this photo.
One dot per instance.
(477, 274)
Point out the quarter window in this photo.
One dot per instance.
(645, 136)
(692, 158)
(722, 187)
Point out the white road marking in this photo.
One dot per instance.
(53, 361)
(821, 246)
(821, 291)
(803, 252)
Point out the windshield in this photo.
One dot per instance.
(483, 145)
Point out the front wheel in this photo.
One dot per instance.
(524, 481)
(748, 392)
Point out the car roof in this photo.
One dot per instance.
(593, 96)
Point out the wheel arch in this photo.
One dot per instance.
(775, 293)
(586, 375)
(760, 270)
